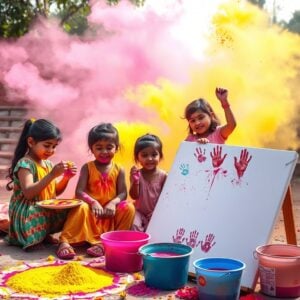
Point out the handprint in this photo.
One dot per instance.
(208, 243)
(179, 236)
(200, 155)
(242, 164)
(216, 156)
(184, 169)
(192, 241)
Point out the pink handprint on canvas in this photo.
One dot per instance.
(242, 164)
(217, 161)
(200, 155)
(216, 156)
(192, 241)
(208, 243)
(179, 236)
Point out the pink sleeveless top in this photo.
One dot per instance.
(215, 137)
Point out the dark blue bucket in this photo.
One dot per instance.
(166, 265)
(219, 278)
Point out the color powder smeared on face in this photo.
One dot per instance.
(56, 280)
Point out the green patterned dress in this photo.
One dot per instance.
(29, 223)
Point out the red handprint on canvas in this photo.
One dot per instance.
(192, 241)
(216, 156)
(200, 155)
(242, 164)
(208, 243)
(179, 236)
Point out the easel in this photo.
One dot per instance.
(288, 218)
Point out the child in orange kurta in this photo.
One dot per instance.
(102, 187)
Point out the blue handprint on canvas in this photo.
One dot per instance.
(184, 169)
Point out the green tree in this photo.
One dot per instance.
(17, 16)
(259, 3)
(294, 23)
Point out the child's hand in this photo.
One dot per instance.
(70, 169)
(97, 209)
(109, 209)
(58, 169)
(203, 140)
(222, 95)
(135, 174)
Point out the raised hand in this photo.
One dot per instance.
(179, 236)
(208, 243)
(135, 174)
(242, 164)
(222, 95)
(200, 155)
(192, 241)
(216, 156)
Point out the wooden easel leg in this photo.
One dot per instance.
(288, 218)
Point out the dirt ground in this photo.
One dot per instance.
(10, 255)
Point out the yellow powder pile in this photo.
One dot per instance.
(60, 280)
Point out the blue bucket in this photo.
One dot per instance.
(165, 265)
(219, 278)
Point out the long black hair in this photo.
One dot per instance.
(40, 130)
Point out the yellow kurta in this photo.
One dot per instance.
(81, 225)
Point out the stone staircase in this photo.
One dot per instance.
(11, 123)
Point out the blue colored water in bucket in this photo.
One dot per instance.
(218, 278)
(166, 265)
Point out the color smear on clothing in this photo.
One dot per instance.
(143, 67)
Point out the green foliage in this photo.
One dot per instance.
(73, 15)
(15, 17)
(259, 3)
(294, 23)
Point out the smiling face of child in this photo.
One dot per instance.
(104, 150)
(200, 122)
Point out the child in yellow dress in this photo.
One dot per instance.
(102, 187)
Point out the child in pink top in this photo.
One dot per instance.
(204, 126)
(146, 183)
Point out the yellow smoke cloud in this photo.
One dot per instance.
(257, 62)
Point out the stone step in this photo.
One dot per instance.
(10, 108)
(6, 154)
(4, 170)
(8, 141)
(7, 129)
(12, 118)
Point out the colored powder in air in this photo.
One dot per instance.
(60, 280)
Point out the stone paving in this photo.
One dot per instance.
(10, 255)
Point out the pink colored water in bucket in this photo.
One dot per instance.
(121, 250)
(279, 270)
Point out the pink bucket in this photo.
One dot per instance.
(279, 270)
(121, 250)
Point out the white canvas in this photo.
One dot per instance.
(226, 209)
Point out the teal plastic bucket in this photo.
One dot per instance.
(218, 278)
(165, 265)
